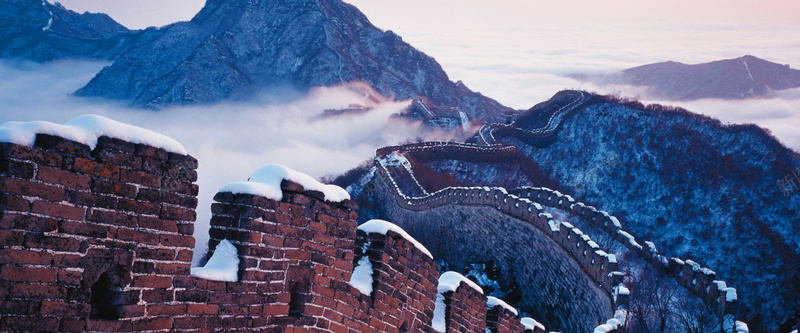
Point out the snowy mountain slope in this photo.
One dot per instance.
(697, 188)
(40, 31)
(232, 48)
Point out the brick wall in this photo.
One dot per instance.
(121, 214)
(101, 240)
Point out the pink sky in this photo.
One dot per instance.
(442, 13)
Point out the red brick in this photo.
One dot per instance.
(177, 240)
(12, 256)
(69, 278)
(166, 309)
(140, 178)
(115, 218)
(63, 309)
(120, 159)
(178, 213)
(131, 311)
(56, 243)
(185, 255)
(158, 224)
(184, 188)
(62, 145)
(113, 187)
(31, 189)
(63, 177)
(194, 296)
(27, 274)
(138, 207)
(72, 325)
(84, 229)
(276, 309)
(186, 229)
(58, 210)
(152, 281)
(89, 199)
(67, 260)
(318, 227)
(37, 291)
(16, 169)
(88, 166)
(173, 269)
(203, 309)
(33, 154)
(157, 295)
(195, 323)
(13, 203)
(35, 324)
(103, 325)
(142, 237)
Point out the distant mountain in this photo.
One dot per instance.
(738, 78)
(235, 47)
(40, 31)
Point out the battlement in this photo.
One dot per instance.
(698, 280)
(98, 237)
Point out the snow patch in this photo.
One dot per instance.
(438, 322)
(604, 328)
(464, 121)
(730, 294)
(266, 182)
(448, 281)
(362, 276)
(531, 324)
(492, 301)
(382, 227)
(621, 315)
(222, 266)
(742, 327)
(86, 129)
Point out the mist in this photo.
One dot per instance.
(230, 140)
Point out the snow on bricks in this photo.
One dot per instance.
(97, 236)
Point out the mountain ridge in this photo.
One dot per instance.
(737, 78)
(231, 49)
(40, 31)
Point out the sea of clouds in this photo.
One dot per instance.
(230, 140)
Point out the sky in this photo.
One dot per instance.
(516, 51)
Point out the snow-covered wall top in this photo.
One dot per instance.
(382, 227)
(87, 129)
(266, 182)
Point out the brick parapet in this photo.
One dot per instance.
(465, 310)
(501, 320)
(71, 215)
(117, 220)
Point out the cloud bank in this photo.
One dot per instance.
(230, 140)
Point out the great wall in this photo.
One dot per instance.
(424, 215)
(100, 239)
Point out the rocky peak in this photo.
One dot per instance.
(233, 48)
